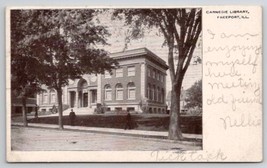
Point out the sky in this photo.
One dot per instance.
(151, 40)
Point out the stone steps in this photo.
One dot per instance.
(79, 111)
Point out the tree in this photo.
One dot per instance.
(194, 95)
(65, 45)
(181, 29)
(24, 83)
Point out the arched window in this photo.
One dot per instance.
(40, 98)
(108, 92)
(119, 91)
(84, 84)
(53, 96)
(131, 90)
(45, 97)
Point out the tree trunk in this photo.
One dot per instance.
(175, 132)
(60, 109)
(24, 111)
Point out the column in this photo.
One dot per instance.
(89, 98)
(82, 99)
(68, 98)
(143, 80)
(38, 99)
(76, 99)
(99, 91)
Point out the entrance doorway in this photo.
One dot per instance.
(72, 98)
(85, 100)
(94, 96)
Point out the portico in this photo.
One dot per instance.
(82, 96)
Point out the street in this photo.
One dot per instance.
(40, 139)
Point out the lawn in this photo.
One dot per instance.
(151, 122)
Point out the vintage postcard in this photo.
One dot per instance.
(134, 84)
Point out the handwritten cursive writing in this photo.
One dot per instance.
(162, 156)
(239, 83)
(225, 35)
(229, 49)
(244, 61)
(245, 120)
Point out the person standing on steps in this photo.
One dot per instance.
(72, 117)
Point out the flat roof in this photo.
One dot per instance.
(139, 52)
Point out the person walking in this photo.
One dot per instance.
(72, 117)
(36, 111)
(128, 121)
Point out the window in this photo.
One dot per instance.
(131, 71)
(118, 109)
(161, 77)
(119, 72)
(163, 96)
(157, 75)
(148, 91)
(148, 72)
(45, 97)
(41, 98)
(107, 74)
(159, 95)
(119, 92)
(129, 109)
(155, 93)
(63, 97)
(53, 96)
(152, 92)
(153, 74)
(108, 92)
(131, 90)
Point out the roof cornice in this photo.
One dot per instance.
(138, 53)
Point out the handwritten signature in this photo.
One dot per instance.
(245, 120)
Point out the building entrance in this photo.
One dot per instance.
(72, 99)
(85, 100)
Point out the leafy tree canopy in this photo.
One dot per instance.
(61, 43)
(194, 95)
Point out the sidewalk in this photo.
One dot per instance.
(194, 138)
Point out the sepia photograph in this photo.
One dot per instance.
(106, 79)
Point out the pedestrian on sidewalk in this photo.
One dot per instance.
(72, 117)
(36, 111)
(128, 121)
